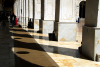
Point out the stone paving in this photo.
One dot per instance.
(6, 44)
(65, 54)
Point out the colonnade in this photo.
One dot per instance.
(49, 16)
(59, 17)
(91, 30)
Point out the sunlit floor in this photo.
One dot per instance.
(65, 54)
(18, 46)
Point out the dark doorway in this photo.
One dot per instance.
(82, 6)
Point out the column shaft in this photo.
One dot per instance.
(91, 30)
(47, 16)
(22, 12)
(37, 13)
(31, 9)
(27, 11)
(65, 20)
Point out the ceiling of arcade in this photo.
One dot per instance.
(7, 3)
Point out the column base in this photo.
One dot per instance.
(46, 26)
(26, 22)
(22, 23)
(91, 42)
(36, 24)
(65, 31)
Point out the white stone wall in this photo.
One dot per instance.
(22, 8)
(78, 2)
(27, 8)
(15, 8)
(18, 4)
(27, 3)
(98, 19)
(67, 11)
(37, 9)
(30, 8)
(49, 10)
(77, 8)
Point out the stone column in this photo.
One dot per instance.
(15, 8)
(65, 20)
(26, 22)
(47, 16)
(91, 30)
(77, 8)
(22, 12)
(31, 10)
(19, 10)
(37, 13)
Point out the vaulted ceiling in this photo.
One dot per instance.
(7, 3)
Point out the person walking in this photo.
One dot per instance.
(13, 18)
(16, 21)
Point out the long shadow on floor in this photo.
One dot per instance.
(51, 49)
(34, 36)
(20, 43)
(25, 35)
(34, 57)
(19, 62)
(38, 58)
(22, 29)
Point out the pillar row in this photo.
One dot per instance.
(15, 8)
(37, 13)
(24, 13)
(31, 10)
(65, 20)
(47, 16)
(91, 31)
(26, 19)
(19, 11)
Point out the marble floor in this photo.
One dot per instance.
(6, 44)
(63, 54)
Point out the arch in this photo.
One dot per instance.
(82, 6)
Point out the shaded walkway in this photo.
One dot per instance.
(28, 53)
(6, 44)
(19, 48)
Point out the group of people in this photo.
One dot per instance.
(13, 20)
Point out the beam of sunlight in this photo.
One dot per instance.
(62, 52)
